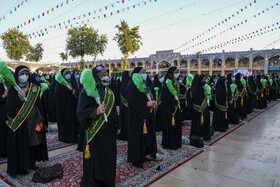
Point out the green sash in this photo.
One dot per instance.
(254, 93)
(124, 101)
(159, 100)
(26, 108)
(202, 107)
(96, 125)
(221, 107)
(242, 93)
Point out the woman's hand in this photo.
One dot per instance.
(74, 92)
(119, 131)
(151, 103)
(21, 94)
(5, 94)
(101, 110)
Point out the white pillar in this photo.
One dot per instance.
(211, 65)
(199, 65)
(266, 64)
(223, 65)
(251, 62)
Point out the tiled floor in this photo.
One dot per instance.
(249, 156)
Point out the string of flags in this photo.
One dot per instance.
(251, 35)
(11, 11)
(47, 12)
(272, 43)
(233, 15)
(85, 18)
(222, 32)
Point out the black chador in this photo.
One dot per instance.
(52, 103)
(201, 113)
(157, 89)
(220, 108)
(26, 144)
(172, 123)
(236, 100)
(241, 87)
(99, 163)
(261, 94)
(183, 98)
(66, 105)
(141, 130)
(3, 119)
(253, 94)
(230, 109)
(124, 107)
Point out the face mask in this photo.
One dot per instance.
(233, 79)
(144, 76)
(176, 75)
(23, 78)
(68, 76)
(181, 82)
(105, 80)
(161, 80)
(153, 79)
(37, 79)
(77, 76)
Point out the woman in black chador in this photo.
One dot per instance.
(52, 103)
(26, 135)
(141, 126)
(220, 108)
(157, 88)
(229, 98)
(99, 164)
(172, 123)
(183, 97)
(261, 104)
(66, 106)
(201, 112)
(252, 92)
(3, 118)
(236, 100)
(124, 107)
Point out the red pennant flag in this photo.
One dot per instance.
(106, 7)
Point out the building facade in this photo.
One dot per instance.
(254, 61)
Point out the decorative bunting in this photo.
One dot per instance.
(222, 32)
(103, 16)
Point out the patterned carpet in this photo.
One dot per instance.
(127, 175)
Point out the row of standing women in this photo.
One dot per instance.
(146, 105)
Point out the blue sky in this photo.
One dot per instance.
(164, 24)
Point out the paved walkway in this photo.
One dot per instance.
(249, 156)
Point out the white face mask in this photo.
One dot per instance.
(161, 80)
(23, 78)
(144, 76)
(105, 80)
(176, 75)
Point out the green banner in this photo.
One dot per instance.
(26, 108)
(124, 101)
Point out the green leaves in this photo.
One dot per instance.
(83, 41)
(63, 56)
(129, 40)
(36, 53)
(15, 44)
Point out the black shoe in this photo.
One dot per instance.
(138, 164)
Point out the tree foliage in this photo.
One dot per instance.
(83, 41)
(36, 53)
(15, 44)
(129, 41)
(98, 45)
(63, 56)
